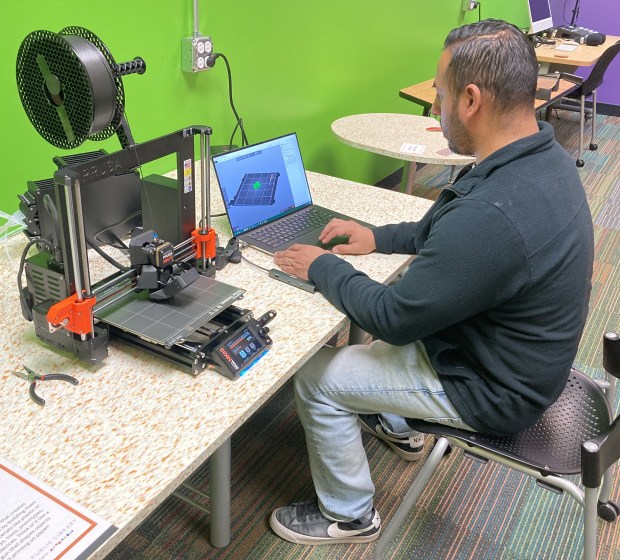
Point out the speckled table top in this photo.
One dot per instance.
(135, 427)
(400, 136)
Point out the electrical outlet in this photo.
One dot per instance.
(194, 53)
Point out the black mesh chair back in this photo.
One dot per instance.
(575, 435)
(595, 79)
(588, 89)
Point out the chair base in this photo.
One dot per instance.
(608, 511)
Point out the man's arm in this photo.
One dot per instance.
(361, 240)
(472, 260)
(396, 238)
(393, 238)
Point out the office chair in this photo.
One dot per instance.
(575, 435)
(588, 89)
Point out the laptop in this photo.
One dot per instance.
(267, 197)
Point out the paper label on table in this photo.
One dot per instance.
(416, 149)
(39, 523)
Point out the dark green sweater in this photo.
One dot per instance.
(499, 290)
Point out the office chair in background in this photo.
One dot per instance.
(575, 435)
(588, 89)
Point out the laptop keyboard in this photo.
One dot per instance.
(291, 227)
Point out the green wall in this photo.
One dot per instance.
(296, 67)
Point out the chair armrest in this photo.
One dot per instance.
(598, 454)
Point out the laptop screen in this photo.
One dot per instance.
(262, 182)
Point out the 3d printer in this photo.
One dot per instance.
(166, 300)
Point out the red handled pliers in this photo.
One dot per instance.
(34, 377)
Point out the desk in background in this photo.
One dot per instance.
(424, 93)
(390, 134)
(552, 60)
(135, 427)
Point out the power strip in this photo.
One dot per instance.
(291, 280)
(194, 53)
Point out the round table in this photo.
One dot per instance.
(411, 138)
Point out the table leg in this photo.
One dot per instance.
(406, 183)
(357, 335)
(219, 484)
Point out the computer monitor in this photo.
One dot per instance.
(540, 15)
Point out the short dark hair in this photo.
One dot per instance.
(497, 57)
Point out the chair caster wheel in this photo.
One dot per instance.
(608, 511)
(593, 147)
(580, 163)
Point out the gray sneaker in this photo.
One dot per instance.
(303, 523)
(409, 448)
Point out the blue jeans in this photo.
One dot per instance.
(338, 384)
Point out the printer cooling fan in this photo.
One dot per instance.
(70, 86)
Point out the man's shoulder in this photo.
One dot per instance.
(530, 163)
(550, 175)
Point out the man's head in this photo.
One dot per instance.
(492, 62)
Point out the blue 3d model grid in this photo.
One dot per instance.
(256, 189)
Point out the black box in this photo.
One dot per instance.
(160, 208)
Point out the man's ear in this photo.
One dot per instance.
(470, 101)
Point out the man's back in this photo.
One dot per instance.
(506, 363)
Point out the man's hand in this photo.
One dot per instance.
(361, 239)
(297, 259)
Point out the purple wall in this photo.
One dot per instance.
(602, 16)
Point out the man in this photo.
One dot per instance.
(482, 329)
